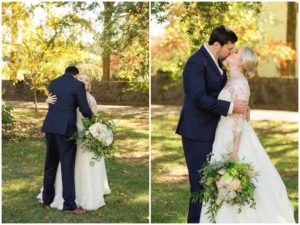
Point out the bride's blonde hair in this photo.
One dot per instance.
(89, 88)
(249, 62)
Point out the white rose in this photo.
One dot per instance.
(235, 185)
(227, 178)
(102, 133)
(220, 184)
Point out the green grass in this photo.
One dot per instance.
(128, 176)
(170, 186)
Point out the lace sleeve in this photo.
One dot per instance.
(92, 103)
(239, 90)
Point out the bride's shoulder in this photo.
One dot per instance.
(239, 83)
(91, 97)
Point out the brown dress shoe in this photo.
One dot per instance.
(46, 206)
(76, 211)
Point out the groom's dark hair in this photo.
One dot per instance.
(72, 70)
(223, 35)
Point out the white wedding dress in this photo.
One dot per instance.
(272, 202)
(90, 181)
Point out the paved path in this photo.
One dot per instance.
(128, 110)
(256, 114)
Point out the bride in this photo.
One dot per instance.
(90, 181)
(272, 202)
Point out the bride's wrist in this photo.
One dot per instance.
(235, 150)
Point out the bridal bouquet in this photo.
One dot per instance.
(226, 181)
(97, 136)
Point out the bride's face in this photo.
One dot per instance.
(235, 58)
(223, 51)
(84, 79)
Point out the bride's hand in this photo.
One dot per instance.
(51, 99)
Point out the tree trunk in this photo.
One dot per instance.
(106, 50)
(106, 67)
(14, 44)
(35, 100)
(290, 69)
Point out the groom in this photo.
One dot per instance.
(203, 80)
(59, 125)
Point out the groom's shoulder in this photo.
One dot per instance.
(65, 80)
(200, 53)
(198, 56)
(58, 78)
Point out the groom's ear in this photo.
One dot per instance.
(217, 44)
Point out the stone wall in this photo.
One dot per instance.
(266, 93)
(107, 93)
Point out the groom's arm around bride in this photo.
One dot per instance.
(61, 116)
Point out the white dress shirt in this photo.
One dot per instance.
(221, 71)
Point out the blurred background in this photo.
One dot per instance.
(270, 28)
(106, 40)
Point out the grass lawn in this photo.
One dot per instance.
(170, 186)
(128, 175)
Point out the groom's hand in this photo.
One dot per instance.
(240, 107)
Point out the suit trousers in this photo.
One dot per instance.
(195, 153)
(59, 149)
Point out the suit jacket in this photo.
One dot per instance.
(61, 116)
(201, 109)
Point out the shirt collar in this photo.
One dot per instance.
(213, 58)
(210, 53)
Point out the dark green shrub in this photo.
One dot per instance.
(7, 117)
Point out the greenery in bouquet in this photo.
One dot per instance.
(226, 181)
(97, 136)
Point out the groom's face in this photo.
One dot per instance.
(225, 50)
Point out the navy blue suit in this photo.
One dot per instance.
(199, 116)
(59, 125)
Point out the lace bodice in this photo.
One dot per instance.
(236, 89)
(93, 106)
